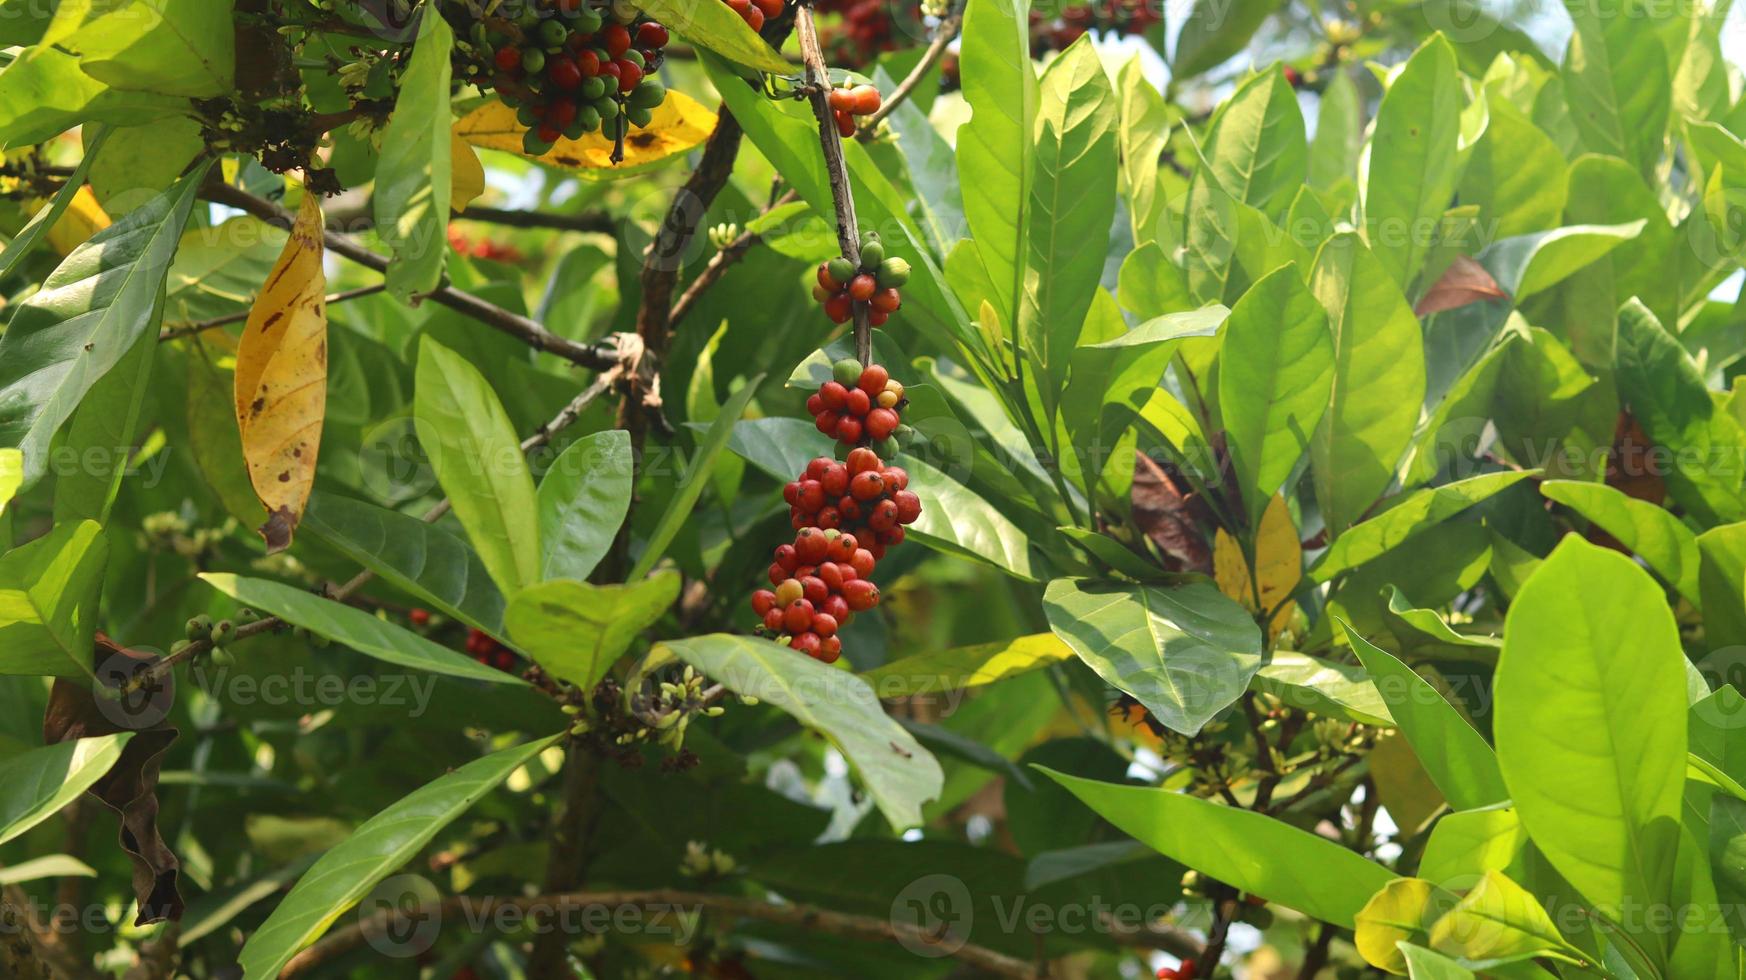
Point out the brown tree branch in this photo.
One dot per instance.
(809, 917)
(948, 30)
(718, 266)
(600, 357)
(176, 331)
(596, 221)
(818, 88)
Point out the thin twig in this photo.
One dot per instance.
(596, 221)
(176, 331)
(848, 229)
(531, 332)
(163, 666)
(809, 917)
(948, 30)
(718, 266)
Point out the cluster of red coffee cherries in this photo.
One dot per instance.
(568, 67)
(483, 248)
(861, 407)
(849, 101)
(868, 28)
(1121, 17)
(842, 284)
(845, 513)
(481, 647)
(756, 13)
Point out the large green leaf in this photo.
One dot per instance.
(1323, 686)
(1414, 165)
(576, 631)
(1276, 369)
(996, 147)
(1468, 843)
(1339, 139)
(1722, 584)
(718, 28)
(1500, 920)
(1516, 174)
(1455, 756)
(1407, 515)
(412, 174)
(696, 477)
(1142, 136)
(169, 47)
(965, 667)
(1378, 381)
(1590, 724)
(954, 519)
(49, 591)
(20, 244)
(1215, 31)
(418, 558)
(1072, 202)
(45, 92)
(35, 785)
(1528, 264)
(1668, 398)
(354, 628)
(11, 477)
(1256, 145)
(1648, 529)
(1247, 850)
(1619, 82)
(1186, 653)
(898, 773)
(88, 315)
(477, 458)
(584, 497)
(101, 433)
(380, 845)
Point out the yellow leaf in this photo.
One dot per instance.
(1404, 909)
(467, 176)
(1279, 556)
(678, 125)
(83, 218)
(281, 378)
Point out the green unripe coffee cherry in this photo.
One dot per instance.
(245, 616)
(552, 33)
(532, 145)
(847, 371)
(633, 56)
(588, 119)
(648, 95)
(529, 18)
(608, 108)
(528, 116)
(223, 657)
(893, 273)
(200, 627)
(592, 88)
(480, 35)
(842, 270)
(575, 130)
(904, 435)
(589, 21)
(223, 632)
(533, 61)
(886, 448)
(639, 115)
(872, 255)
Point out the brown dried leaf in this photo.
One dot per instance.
(1464, 282)
(1168, 516)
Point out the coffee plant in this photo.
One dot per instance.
(871, 488)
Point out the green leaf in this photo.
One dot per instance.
(1186, 653)
(1722, 584)
(898, 773)
(996, 147)
(1455, 755)
(169, 47)
(1669, 399)
(718, 28)
(412, 174)
(1619, 83)
(51, 866)
(101, 432)
(477, 458)
(1325, 687)
(1516, 174)
(954, 519)
(1244, 849)
(1275, 371)
(1378, 383)
(140, 161)
(1215, 31)
(1528, 264)
(11, 477)
(88, 315)
(696, 476)
(1414, 160)
(21, 244)
(1256, 145)
(1072, 202)
(583, 499)
(45, 92)
(1425, 964)
(1649, 530)
(354, 628)
(38, 784)
(49, 592)
(577, 631)
(1596, 783)
(1500, 920)
(1406, 516)
(420, 559)
(1467, 843)
(960, 668)
(380, 846)
(1339, 139)
(1142, 135)
(1404, 909)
